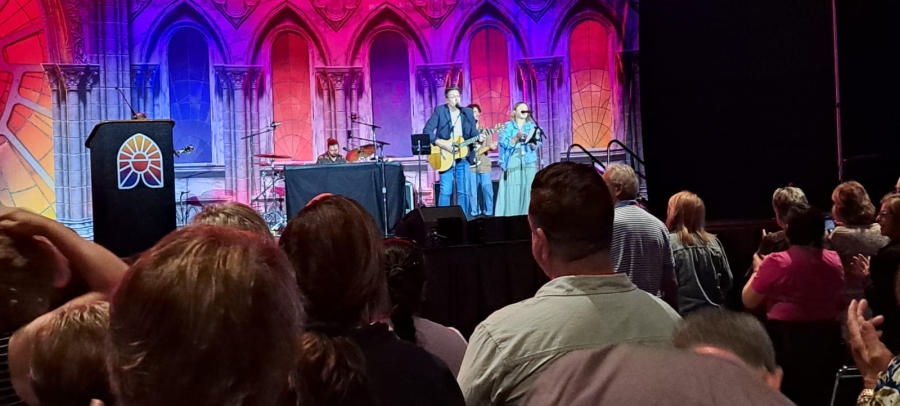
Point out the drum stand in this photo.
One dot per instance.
(272, 209)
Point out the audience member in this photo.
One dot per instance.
(629, 375)
(585, 305)
(68, 365)
(802, 290)
(783, 200)
(640, 243)
(233, 214)
(857, 233)
(700, 262)
(208, 316)
(336, 252)
(404, 266)
(36, 255)
(732, 335)
(881, 295)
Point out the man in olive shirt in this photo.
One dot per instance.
(333, 155)
(585, 305)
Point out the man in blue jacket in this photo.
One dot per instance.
(448, 122)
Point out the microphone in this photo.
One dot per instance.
(349, 134)
(134, 115)
(275, 124)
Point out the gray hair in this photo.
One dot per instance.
(786, 198)
(739, 333)
(622, 176)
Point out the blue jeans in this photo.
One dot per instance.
(487, 193)
(462, 182)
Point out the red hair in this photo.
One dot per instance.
(332, 141)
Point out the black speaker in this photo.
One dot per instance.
(434, 226)
(485, 230)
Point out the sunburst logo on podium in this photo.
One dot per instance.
(140, 159)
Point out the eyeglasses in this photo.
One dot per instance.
(884, 214)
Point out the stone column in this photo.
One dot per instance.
(542, 73)
(59, 139)
(238, 79)
(137, 87)
(340, 77)
(73, 176)
(150, 76)
(353, 95)
(94, 112)
(428, 94)
(255, 74)
(228, 154)
(328, 107)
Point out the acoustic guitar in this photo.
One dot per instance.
(442, 160)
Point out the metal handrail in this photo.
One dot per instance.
(629, 151)
(634, 157)
(593, 158)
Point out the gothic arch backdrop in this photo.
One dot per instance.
(304, 64)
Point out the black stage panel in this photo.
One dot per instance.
(359, 181)
(468, 283)
(738, 99)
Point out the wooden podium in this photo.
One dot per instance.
(133, 183)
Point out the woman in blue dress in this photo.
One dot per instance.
(519, 143)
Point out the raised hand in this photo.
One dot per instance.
(860, 265)
(871, 355)
(23, 222)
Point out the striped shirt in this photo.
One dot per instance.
(8, 395)
(640, 247)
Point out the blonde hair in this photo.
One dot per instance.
(233, 214)
(512, 114)
(209, 315)
(686, 217)
(68, 365)
(786, 198)
(622, 176)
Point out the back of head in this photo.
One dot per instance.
(686, 217)
(404, 265)
(786, 198)
(68, 362)
(233, 214)
(738, 333)
(27, 273)
(572, 204)
(852, 204)
(209, 315)
(622, 178)
(335, 250)
(805, 226)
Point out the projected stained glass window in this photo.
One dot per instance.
(391, 109)
(591, 88)
(489, 59)
(26, 130)
(189, 95)
(291, 97)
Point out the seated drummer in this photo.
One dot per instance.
(333, 155)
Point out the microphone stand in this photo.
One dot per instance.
(379, 146)
(538, 136)
(270, 129)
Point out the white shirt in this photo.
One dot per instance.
(457, 123)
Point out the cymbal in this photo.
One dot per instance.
(272, 156)
(360, 153)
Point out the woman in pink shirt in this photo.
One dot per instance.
(802, 290)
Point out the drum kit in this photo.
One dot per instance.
(271, 198)
(270, 201)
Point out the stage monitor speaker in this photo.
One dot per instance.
(434, 226)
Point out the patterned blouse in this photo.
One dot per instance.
(887, 391)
